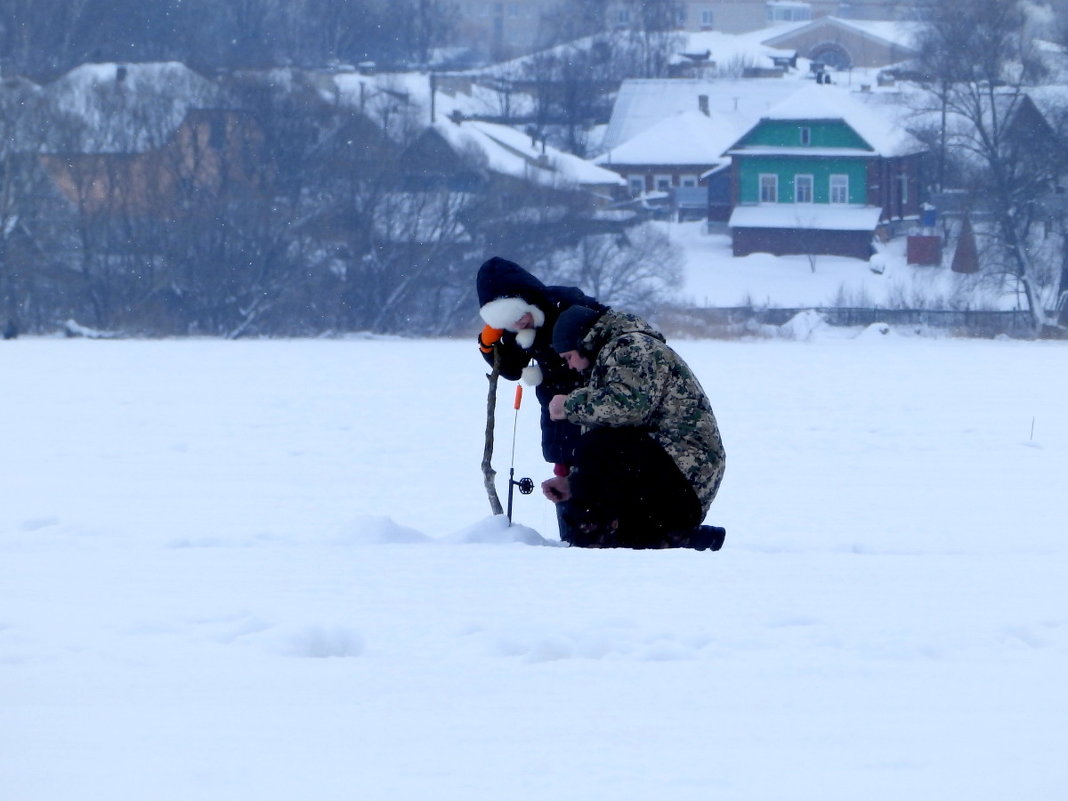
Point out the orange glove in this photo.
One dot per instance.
(488, 338)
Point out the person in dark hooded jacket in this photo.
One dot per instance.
(519, 312)
(651, 459)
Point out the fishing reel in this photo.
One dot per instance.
(524, 485)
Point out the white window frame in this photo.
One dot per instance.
(636, 184)
(706, 18)
(788, 11)
(689, 181)
(659, 179)
(768, 180)
(903, 188)
(838, 193)
(809, 182)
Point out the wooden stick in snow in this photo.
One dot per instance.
(488, 473)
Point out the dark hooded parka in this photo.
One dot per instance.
(505, 293)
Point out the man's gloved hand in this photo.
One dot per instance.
(557, 489)
(556, 408)
(488, 338)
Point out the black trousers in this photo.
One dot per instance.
(627, 492)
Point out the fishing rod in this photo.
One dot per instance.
(526, 485)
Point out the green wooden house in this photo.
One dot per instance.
(823, 173)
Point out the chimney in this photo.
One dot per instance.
(702, 104)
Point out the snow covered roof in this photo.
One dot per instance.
(816, 216)
(1051, 100)
(512, 152)
(815, 101)
(130, 107)
(688, 137)
(452, 94)
(643, 103)
(895, 34)
(898, 33)
(725, 48)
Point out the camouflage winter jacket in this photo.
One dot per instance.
(635, 379)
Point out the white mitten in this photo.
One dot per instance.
(525, 338)
(532, 375)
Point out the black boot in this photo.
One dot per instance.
(708, 538)
(702, 538)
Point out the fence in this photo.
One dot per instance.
(979, 323)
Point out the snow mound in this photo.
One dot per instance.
(876, 331)
(382, 530)
(495, 530)
(378, 530)
(324, 642)
(802, 325)
(72, 328)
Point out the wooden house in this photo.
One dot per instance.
(822, 173)
(669, 137)
(678, 152)
(210, 149)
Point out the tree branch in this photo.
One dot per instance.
(488, 473)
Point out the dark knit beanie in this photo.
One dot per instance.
(572, 326)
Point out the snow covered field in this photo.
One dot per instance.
(265, 570)
(714, 277)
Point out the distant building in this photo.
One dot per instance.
(741, 16)
(821, 173)
(670, 136)
(506, 29)
(842, 44)
(642, 103)
(210, 149)
(676, 152)
(517, 27)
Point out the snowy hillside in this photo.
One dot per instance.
(265, 570)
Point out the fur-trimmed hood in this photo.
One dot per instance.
(506, 292)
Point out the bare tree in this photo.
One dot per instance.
(571, 86)
(48, 37)
(981, 65)
(26, 119)
(636, 269)
(573, 20)
(653, 37)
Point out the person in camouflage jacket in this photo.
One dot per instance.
(651, 459)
